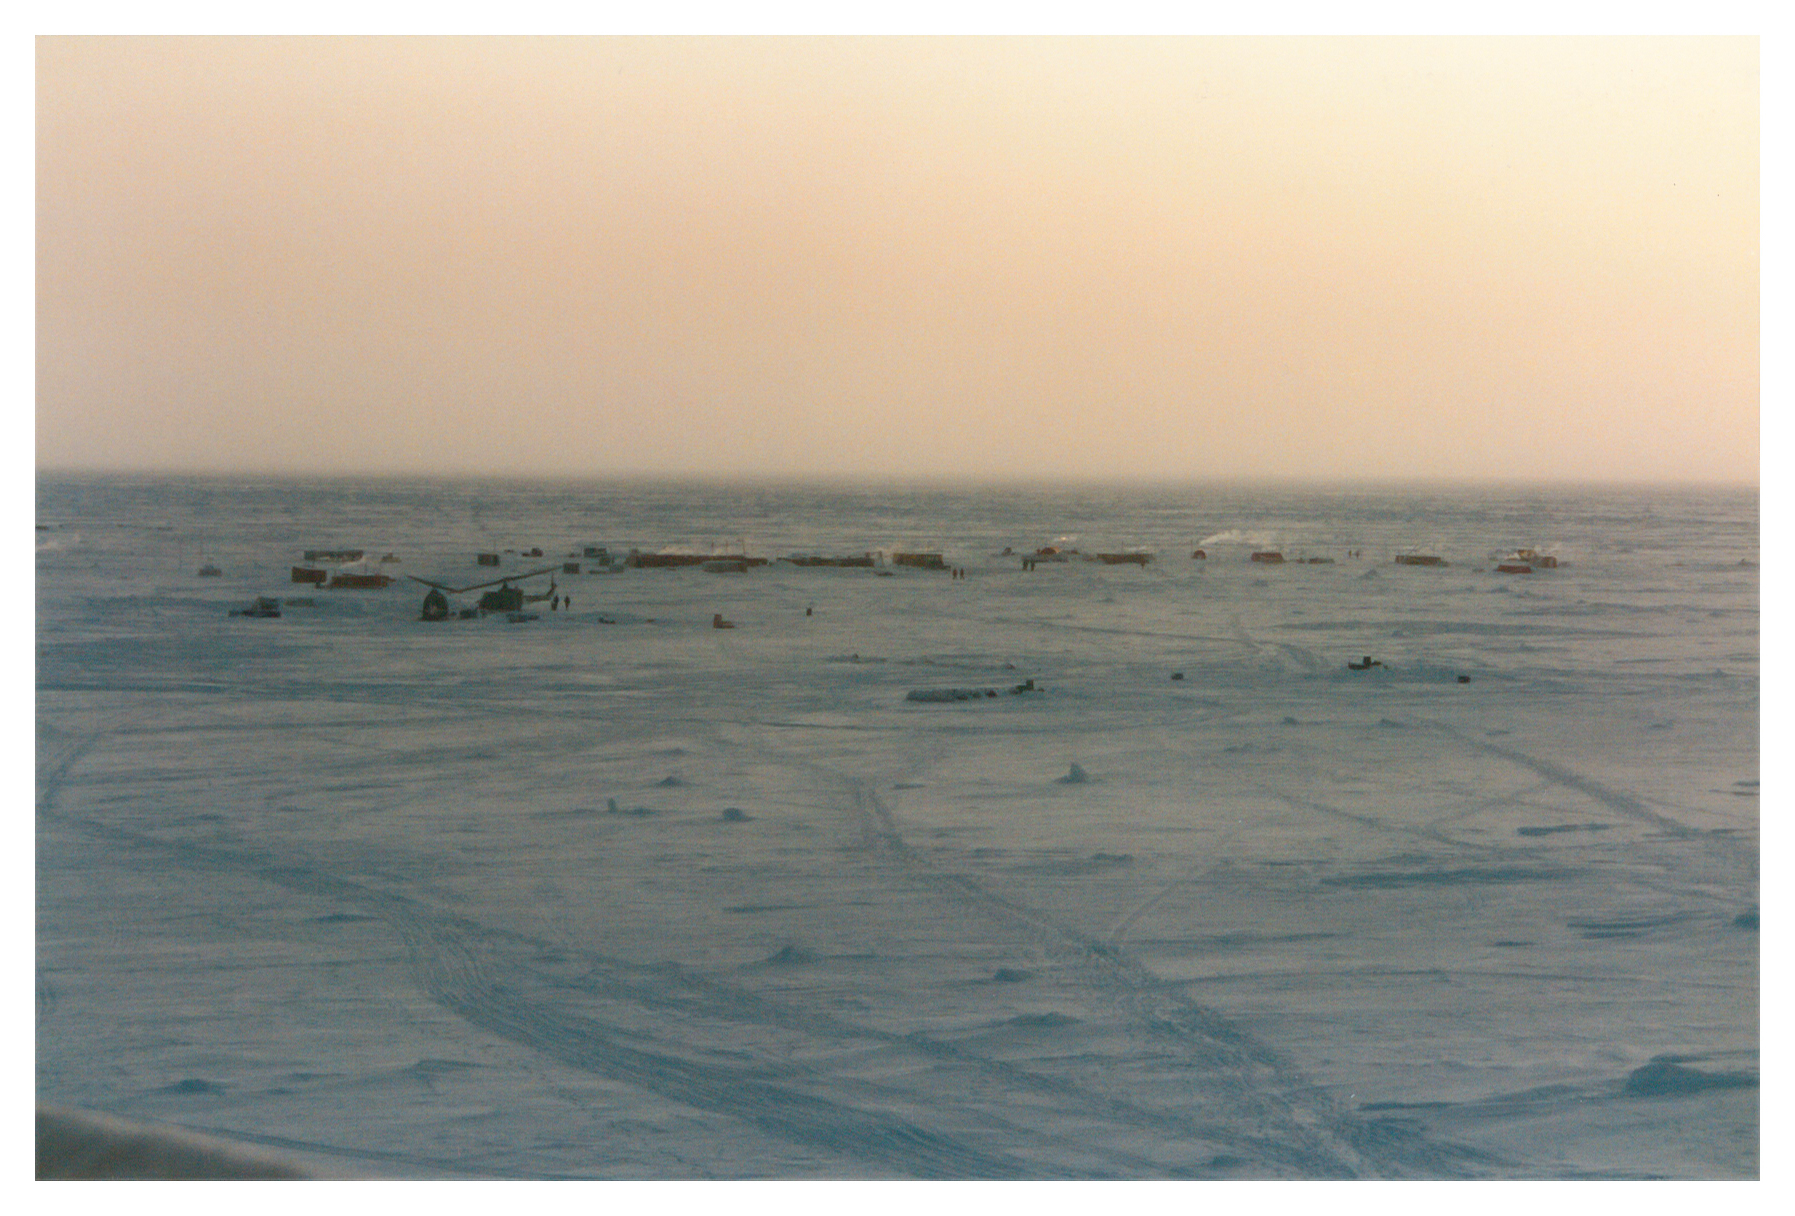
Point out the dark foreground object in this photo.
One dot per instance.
(74, 1144)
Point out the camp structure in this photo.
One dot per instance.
(1420, 559)
(673, 561)
(1269, 557)
(919, 561)
(864, 560)
(1197, 555)
(664, 561)
(1124, 559)
(312, 575)
(358, 582)
(503, 598)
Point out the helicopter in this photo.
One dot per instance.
(506, 599)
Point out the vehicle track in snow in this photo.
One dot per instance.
(488, 977)
(1622, 804)
(1293, 1124)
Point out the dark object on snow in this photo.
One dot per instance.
(1665, 1077)
(1269, 557)
(1464, 679)
(717, 622)
(469, 614)
(1124, 559)
(1012, 975)
(941, 695)
(1746, 920)
(1076, 776)
(570, 567)
(209, 571)
(1514, 568)
(389, 558)
(1420, 559)
(935, 695)
(436, 606)
(304, 574)
(1177, 675)
(1197, 555)
(611, 808)
(487, 559)
(734, 814)
(1365, 665)
(921, 561)
(263, 607)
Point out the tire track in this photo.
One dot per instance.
(1621, 804)
(454, 960)
(1125, 924)
(1423, 832)
(1293, 1116)
(457, 963)
(1295, 1125)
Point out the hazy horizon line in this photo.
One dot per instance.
(909, 479)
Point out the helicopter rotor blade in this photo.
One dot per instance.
(509, 578)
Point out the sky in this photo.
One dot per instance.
(1097, 258)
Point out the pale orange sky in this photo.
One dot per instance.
(1101, 258)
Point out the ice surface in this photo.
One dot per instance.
(616, 895)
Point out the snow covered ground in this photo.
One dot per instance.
(613, 894)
